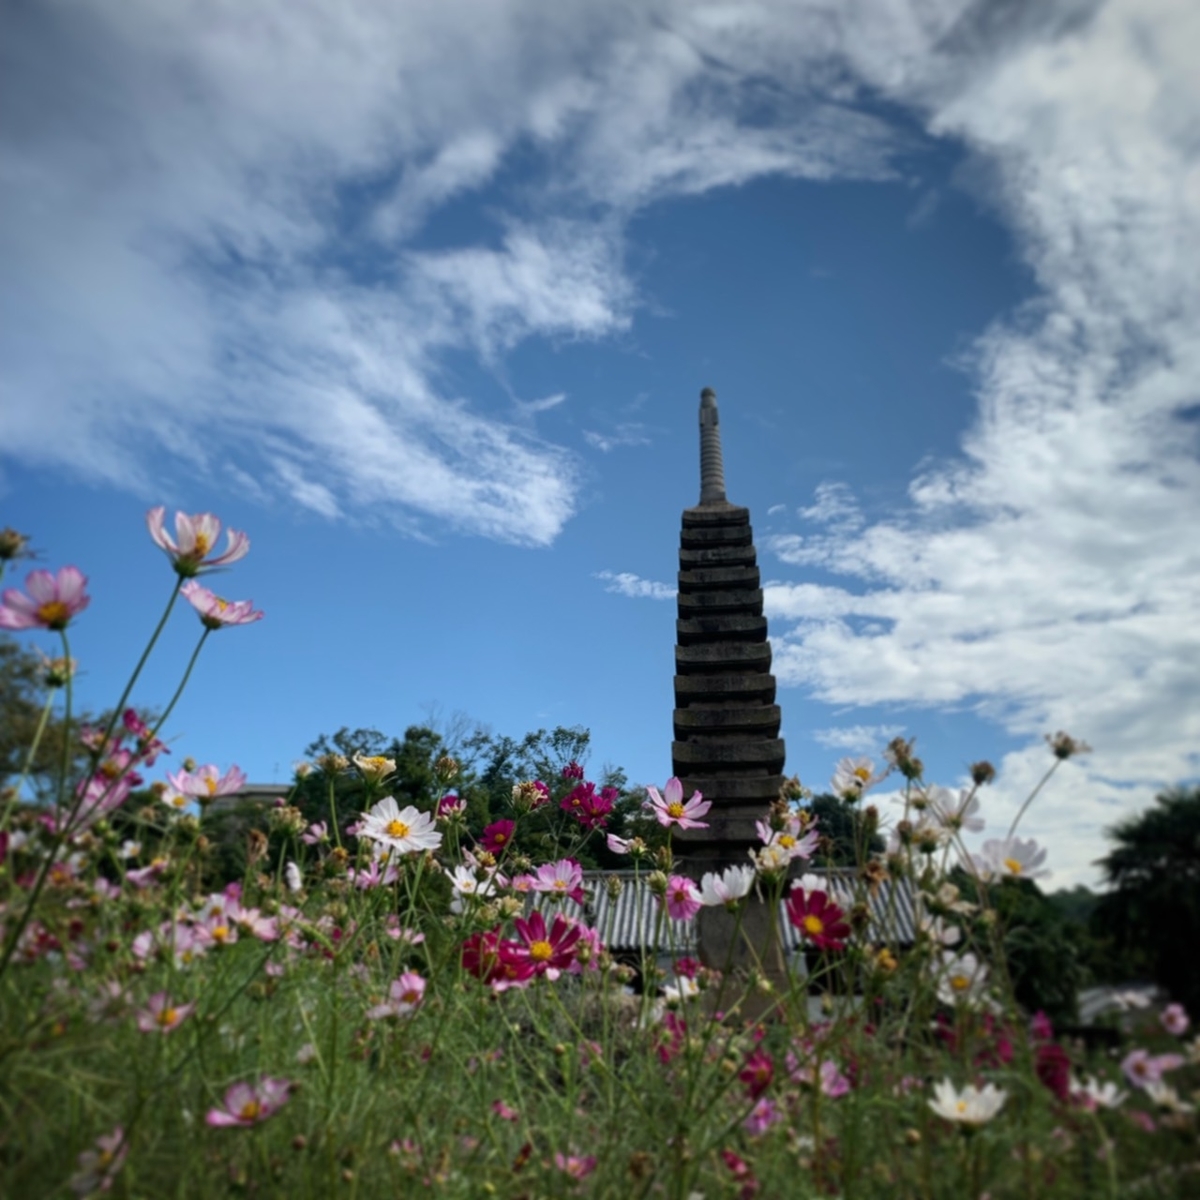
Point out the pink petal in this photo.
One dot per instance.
(42, 586)
(674, 790)
(154, 523)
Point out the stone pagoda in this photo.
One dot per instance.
(727, 742)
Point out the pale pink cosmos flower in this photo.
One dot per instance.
(99, 1166)
(681, 898)
(51, 602)
(1142, 1068)
(207, 782)
(761, 1117)
(792, 838)
(1011, 858)
(670, 809)
(404, 998)
(315, 834)
(215, 611)
(562, 878)
(195, 538)
(379, 872)
(574, 1165)
(161, 1016)
(833, 1082)
(249, 1104)
(1175, 1020)
(503, 1111)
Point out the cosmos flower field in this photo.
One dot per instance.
(394, 1001)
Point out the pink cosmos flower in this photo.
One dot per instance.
(161, 1016)
(378, 872)
(576, 1166)
(51, 602)
(761, 1117)
(100, 1166)
(572, 771)
(450, 806)
(194, 539)
(497, 836)
(1174, 1019)
(404, 998)
(682, 899)
(670, 809)
(149, 746)
(548, 952)
(819, 920)
(792, 838)
(315, 834)
(207, 782)
(562, 878)
(217, 612)
(246, 1104)
(1141, 1068)
(833, 1082)
(503, 1111)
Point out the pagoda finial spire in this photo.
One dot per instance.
(712, 467)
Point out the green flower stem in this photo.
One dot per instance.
(187, 674)
(98, 753)
(1029, 799)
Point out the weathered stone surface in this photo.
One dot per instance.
(719, 578)
(714, 514)
(717, 535)
(738, 627)
(723, 656)
(705, 689)
(751, 792)
(690, 758)
(755, 720)
(701, 604)
(718, 556)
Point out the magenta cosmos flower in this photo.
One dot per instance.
(670, 809)
(817, 918)
(195, 537)
(246, 1104)
(590, 810)
(215, 612)
(51, 602)
(207, 781)
(547, 951)
(497, 836)
(681, 898)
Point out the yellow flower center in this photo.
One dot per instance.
(104, 1158)
(54, 613)
(222, 605)
(786, 841)
(203, 545)
(540, 951)
(960, 983)
(249, 1110)
(1013, 865)
(167, 1016)
(396, 829)
(862, 774)
(411, 997)
(560, 885)
(675, 810)
(220, 933)
(499, 838)
(813, 925)
(961, 1106)
(211, 786)
(179, 801)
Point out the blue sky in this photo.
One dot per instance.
(423, 297)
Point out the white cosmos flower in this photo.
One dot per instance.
(293, 878)
(406, 831)
(727, 888)
(956, 810)
(1165, 1096)
(972, 1106)
(1093, 1094)
(852, 777)
(771, 858)
(374, 767)
(1012, 858)
(962, 979)
(464, 883)
(684, 988)
(940, 931)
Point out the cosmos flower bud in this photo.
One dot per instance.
(446, 768)
(656, 881)
(982, 772)
(1064, 746)
(12, 544)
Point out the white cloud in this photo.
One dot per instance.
(857, 739)
(630, 433)
(624, 583)
(210, 222)
(1048, 576)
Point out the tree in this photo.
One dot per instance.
(1152, 914)
(842, 823)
